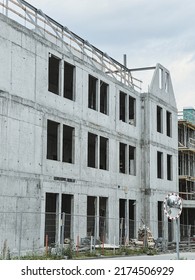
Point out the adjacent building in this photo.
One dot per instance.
(83, 151)
(186, 138)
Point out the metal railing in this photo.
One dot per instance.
(45, 26)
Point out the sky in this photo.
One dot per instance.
(147, 31)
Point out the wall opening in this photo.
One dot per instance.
(122, 220)
(132, 107)
(159, 165)
(103, 98)
(132, 160)
(159, 119)
(67, 205)
(92, 92)
(169, 167)
(169, 121)
(69, 79)
(103, 227)
(91, 215)
(103, 153)
(132, 219)
(52, 140)
(160, 218)
(51, 217)
(122, 158)
(122, 108)
(54, 64)
(68, 144)
(92, 150)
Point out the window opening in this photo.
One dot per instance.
(159, 119)
(92, 156)
(169, 120)
(91, 215)
(169, 167)
(103, 153)
(68, 144)
(122, 157)
(54, 64)
(123, 111)
(67, 205)
(92, 93)
(103, 98)
(159, 165)
(131, 110)
(51, 217)
(69, 71)
(132, 162)
(52, 140)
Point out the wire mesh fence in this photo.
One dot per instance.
(29, 233)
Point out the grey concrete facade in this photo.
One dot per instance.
(27, 175)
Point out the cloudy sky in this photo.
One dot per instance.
(147, 31)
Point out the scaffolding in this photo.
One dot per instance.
(40, 23)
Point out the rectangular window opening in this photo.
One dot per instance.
(159, 119)
(91, 213)
(103, 98)
(169, 167)
(68, 144)
(122, 109)
(132, 161)
(103, 153)
(92, 93)
(159, 165)
(54, 64)
(132, 110)
(51, 216)
(169, 121)
(69, 79)
(122, 158)
(92, 150)
(52, 140)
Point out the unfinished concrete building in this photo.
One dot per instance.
(186, 138)
(83, 151)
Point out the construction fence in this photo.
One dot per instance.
(27, 233)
